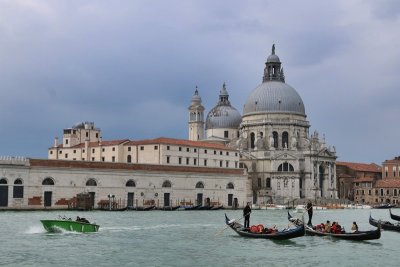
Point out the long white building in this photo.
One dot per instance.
(55, 184)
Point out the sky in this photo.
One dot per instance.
(131, 67)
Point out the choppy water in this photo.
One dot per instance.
(187, 238)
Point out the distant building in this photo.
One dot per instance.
(162, 151)
(349, 172)
(391, 169)
(385, 189)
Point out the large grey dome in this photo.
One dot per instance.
(274, 97)
(223, 115)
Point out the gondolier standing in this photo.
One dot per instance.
(246, 214)
(309, 208)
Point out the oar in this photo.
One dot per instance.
(230, 222)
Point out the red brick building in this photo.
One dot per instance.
(391, 169)
(348, 172)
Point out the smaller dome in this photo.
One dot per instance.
(221, 117)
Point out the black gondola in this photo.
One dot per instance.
(384, 224)
(356, 236)
(121, 209)
(169, 208)
(192, 207)
(384, 206)
(279, 235)
(142, 208)
(393, 216)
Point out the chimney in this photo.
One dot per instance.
(56, 141)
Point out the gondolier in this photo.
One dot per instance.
(246, 214)
(309, 208)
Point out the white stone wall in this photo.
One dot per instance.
(68, 182)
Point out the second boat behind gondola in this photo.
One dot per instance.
(356, 236)
(393, 216)
(297, 231)
(386, 225)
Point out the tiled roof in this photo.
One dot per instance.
(371, 167)
(182, 142)
(387, 183)
(128, 166)
(97, 144)
(160, 140)
(363, 179)
(103, 143)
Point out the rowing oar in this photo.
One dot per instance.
(230, 222)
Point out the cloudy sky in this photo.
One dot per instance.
(132, 67)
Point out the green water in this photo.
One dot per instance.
(187, 238)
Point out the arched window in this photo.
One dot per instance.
(48, 181)
(129, 159)
(285, 167)
(3, 181)
(252, 140)
(230, 186)
(91, 182)
(268, 183)
(166, 184)
(131, 183)
(285, 139)
(199, 185)
(18, 190)
(276, 141)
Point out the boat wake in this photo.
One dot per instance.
(35, 230)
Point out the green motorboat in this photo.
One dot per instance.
(80, 225)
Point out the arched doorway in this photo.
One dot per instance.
(3, 193)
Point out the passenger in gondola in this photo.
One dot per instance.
(339, 229)
(246, 214)
(333, 228)
(354, 227)
(328, 227)
(320, 227)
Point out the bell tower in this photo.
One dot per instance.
(196, 118)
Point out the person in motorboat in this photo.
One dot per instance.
(84, 220)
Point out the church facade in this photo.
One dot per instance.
(284, 161)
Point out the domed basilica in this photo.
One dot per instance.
(284, 161)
